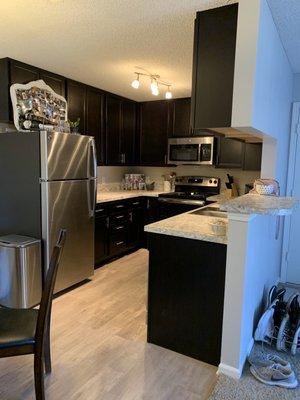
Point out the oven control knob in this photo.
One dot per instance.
(210, 181)
(215, 182)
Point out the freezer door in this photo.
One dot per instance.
(67, 156)
(69, 205)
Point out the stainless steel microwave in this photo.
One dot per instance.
(191, 150)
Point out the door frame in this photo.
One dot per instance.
(294, 143)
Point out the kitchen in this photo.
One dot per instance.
(189, 152)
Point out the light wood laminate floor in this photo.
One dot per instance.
(99, 348)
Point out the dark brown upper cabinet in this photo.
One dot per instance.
(121, 130)
(180, 117)
(95, 103)
(56, 82)
(155, 126)
(252, 156)
(129, 132)
(22, 73)
(230, 153)
(12, 71)
(76, 98)
(113, 130)
(213, 68)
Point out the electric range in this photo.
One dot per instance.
(191, 192)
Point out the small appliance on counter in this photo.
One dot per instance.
(191, 192)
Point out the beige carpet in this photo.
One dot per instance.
(248, 388)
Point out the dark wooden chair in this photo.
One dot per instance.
(27, 331)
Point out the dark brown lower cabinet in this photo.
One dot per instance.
(186, 295)
(101, 238)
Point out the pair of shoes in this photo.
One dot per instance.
(263, 359)
(275, 375)
(288, 337)
(269, 322)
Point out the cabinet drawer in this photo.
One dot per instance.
(135, 203)
(117, 207)
(118, 219)
(117, 243)
(118, 229)
(100, 210)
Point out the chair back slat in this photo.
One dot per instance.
(46, 301)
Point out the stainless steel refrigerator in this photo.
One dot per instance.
(47, 182)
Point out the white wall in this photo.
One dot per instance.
(296, 92)
(248, 285)
(254, 265)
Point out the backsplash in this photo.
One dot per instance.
(110, 177)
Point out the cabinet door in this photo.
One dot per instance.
(213, 67)
(22, 73)
(181, 116)
(230, 153)
(135, 227)
(94, 120)
(154, 128)
(101, 239)
(113, 129)
(56, 82)
(76, 97)
(252, 159)
(128, 138)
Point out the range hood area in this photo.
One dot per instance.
(215, 71)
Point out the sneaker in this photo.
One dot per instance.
(275, 375)
(284, 332)
(295, 348)
(265, 327)
(266, 359)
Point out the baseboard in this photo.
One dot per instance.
(227, 370)
(232, 372)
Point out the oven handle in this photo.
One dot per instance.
(175, 201)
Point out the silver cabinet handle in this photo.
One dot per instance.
(120, 206)
(136, 203)
(119, 243)
(119, 227)
(120, 216)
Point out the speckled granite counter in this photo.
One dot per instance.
(106, 196)
(189, 226)
(257, 204)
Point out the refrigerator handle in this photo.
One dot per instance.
(92, 152)
(92, 196)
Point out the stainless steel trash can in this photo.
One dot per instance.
(20, 271)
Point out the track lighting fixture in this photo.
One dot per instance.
(154, 85)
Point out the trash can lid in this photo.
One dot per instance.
(17, 241)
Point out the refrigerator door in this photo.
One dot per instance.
(67, 156)
(70, 205)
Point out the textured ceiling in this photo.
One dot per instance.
(286, 14)
(100, 42)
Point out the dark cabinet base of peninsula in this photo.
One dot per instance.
(186, 295)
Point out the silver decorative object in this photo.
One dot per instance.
(37, 106)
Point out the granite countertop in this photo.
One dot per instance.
(106, 196)
(188, 225)
(258, 204)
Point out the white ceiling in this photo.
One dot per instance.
(100, 42)
(286, 14)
